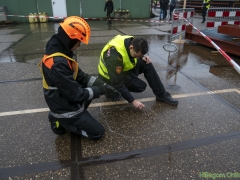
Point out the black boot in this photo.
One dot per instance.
(166, 97)
(55, 126)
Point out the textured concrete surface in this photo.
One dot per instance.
(198, 139)
(196, 163)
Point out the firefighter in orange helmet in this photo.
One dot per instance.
(68, 90)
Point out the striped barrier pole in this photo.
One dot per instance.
(232, 62)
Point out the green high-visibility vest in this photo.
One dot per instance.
(207, 1)
(118, 43)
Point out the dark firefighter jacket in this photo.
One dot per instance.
(66, 95)
(109, 7)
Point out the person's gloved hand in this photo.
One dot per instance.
(109, 91)
(112, 93)
(101, 88)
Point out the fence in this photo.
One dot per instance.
(178, 24)
(222, 16)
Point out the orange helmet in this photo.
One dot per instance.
(76, 28)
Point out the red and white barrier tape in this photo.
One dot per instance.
(232, 62)
(58, 17)
(35, 16)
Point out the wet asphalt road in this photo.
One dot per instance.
(198, 139)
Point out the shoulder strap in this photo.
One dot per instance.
(59, 54)
(75, 66)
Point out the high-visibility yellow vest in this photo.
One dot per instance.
(118, 43)
(207, 1)
(48, 61)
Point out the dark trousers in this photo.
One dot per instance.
(85, 125)
(163, 14)
(171, 10)
(204, 12)
(108, 16)
(82, 124)
(134, 84)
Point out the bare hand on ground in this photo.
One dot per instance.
(138, 105)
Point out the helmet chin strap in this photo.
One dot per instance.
(75, 46)
(73, 43)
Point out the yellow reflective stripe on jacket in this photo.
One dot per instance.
(118, 43)
(74, 66)
(44, 84)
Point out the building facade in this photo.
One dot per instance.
(63, 8)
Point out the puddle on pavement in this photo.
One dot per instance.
(188, 55)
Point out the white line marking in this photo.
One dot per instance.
(29, 111)
(24, 111)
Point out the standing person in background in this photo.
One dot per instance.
(163, 9)
(206, 6)
(172, 5)
(155, 5)
(109, 7)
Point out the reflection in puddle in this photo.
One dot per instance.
(177, 60)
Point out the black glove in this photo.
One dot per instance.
(101, 88)
(112, 93)
(96, 92)
(108, 90)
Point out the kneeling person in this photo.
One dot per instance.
(122, 60)
(68, 90)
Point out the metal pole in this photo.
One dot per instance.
(184, 6)
(151, 2)
(180, 41)
(37, 6)
(80, 8)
